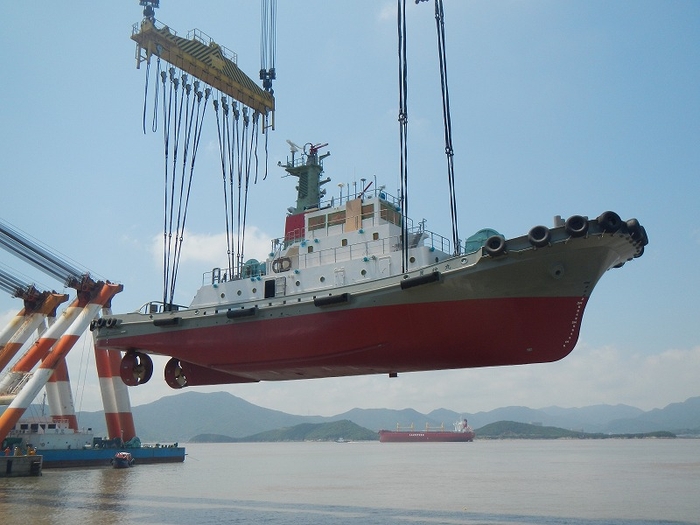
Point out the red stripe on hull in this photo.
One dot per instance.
(393, 338)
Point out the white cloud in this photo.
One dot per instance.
(209, 249)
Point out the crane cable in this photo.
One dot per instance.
(194, 134)
(268, 43)
(403, 131)
(449, 151)
(238, 143)
(182, 99)
(224, 154)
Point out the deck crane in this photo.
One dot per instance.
(23, 382)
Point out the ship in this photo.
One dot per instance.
(61, 446)
(462, 432)
(355, 287)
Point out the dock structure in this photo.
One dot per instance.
(20, 466)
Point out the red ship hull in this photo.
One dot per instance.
(412, 436)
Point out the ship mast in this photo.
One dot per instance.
(308, 170)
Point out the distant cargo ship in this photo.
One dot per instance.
(461, 432)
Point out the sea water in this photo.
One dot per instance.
(587, 482)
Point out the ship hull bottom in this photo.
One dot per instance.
(357, 341)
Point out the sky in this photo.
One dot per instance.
(558, 108)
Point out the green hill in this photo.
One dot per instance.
(334, 431)
(515, 430)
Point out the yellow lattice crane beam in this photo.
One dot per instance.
(204, 59)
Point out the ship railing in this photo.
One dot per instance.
(193, 34)
(159, 307)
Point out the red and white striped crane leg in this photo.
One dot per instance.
(40, 348)
(115, 393)
(19, 329)
(59, 351)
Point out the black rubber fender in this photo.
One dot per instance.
(495, 245)
(539, 236)
(637, 232)
(609, 221)
(576, 226)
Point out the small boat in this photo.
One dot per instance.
(123, 460)
(462, 432)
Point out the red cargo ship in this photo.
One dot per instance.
(461, 432)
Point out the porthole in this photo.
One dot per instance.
(412, 259)
(238, 292)
(363, 272)
(255, 290)
(223, 295)
(322, 279)
(298, 283)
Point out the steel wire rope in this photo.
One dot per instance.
(234, 181)
(229, 141)
(242, 168)
(253, 154)
(166, 143)
(198, 120)
(223, 157)
(188, 110)
(177, 126)
(403, 130)
(145, 95)
(449, 151)
(154, 123)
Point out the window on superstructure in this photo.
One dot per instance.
(336, 218)
(375, 236)
(309, 249)
(389, 213)
(343, 242)
(317, 223)
(367, 211)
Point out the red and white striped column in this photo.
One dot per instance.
(58, 392)
(31, 389)
(115, 394)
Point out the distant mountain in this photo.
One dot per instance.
(680, 417)
(387, 419)
(337, 430)
(514, 430)
(182, 416)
